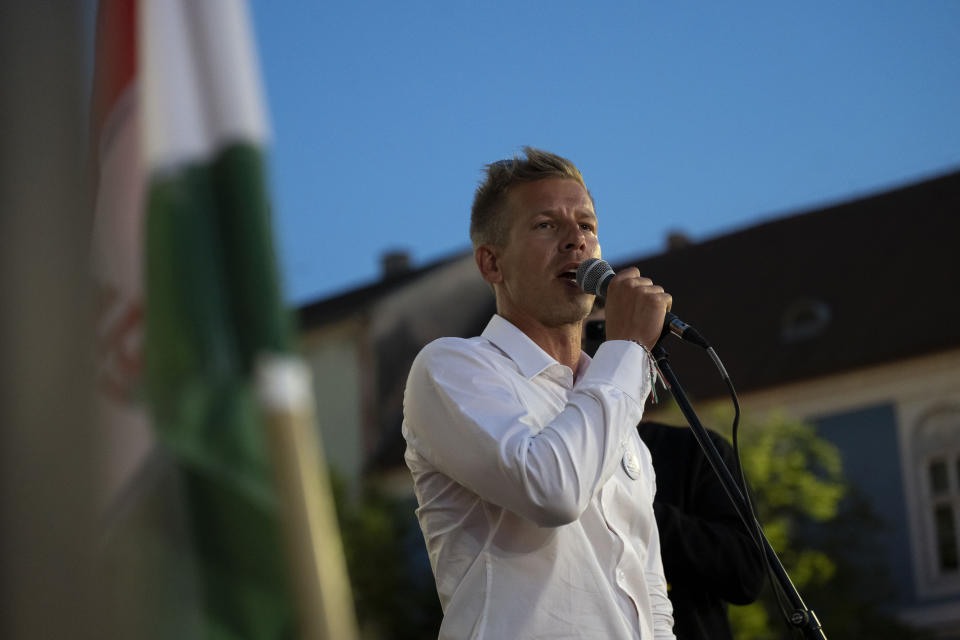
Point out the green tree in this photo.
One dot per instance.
(797, 480)
(393, 587)
(822, 530)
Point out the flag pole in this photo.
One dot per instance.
(314, 548)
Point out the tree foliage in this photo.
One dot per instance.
(393, 587)
(823, 531)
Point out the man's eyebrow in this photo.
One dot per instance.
(581, 216)
(579, 212)
(547, 213)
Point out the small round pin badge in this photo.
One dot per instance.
(631, 464)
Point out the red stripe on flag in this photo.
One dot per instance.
(116, 57)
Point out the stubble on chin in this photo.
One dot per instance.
(573, 312)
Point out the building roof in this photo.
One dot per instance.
(847, 286)
(320, 312)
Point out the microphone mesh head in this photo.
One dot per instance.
(590, 273)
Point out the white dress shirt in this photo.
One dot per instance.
(535, 491)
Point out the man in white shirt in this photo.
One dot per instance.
(534, 488)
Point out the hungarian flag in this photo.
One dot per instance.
(196, 530)
(213, 304)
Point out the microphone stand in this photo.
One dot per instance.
(801, 618)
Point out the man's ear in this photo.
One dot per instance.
(488, 262)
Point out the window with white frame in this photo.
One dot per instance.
(938, 449)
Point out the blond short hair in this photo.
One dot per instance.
(488, 220)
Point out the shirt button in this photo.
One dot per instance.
(620, 574)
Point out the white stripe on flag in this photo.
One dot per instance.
(200, 79)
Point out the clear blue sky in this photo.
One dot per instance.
(681, 115)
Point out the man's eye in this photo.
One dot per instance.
(543, 225)
(587, 227)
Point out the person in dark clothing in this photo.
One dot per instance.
(709, 558)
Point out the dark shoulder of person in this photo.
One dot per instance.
(677, 456)
(679, 441)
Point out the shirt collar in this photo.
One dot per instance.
(518, 346)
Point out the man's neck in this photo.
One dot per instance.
(562, 343)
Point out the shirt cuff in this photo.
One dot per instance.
(623, 364)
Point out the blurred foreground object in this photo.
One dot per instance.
(312, 536)
(47, 451)
(194, 542)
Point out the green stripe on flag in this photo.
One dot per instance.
(214, 304)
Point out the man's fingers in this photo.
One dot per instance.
(630, 278)
(635, 281)
(635, 307)
(663, 298)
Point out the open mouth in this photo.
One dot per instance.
(570, 275)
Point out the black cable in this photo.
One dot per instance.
(754, 527)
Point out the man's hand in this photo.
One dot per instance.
(635, 308)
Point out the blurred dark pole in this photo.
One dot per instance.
(47, 448)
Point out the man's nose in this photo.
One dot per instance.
(574, 238)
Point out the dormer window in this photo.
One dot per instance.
(804, 319)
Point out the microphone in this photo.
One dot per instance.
(594, 275)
